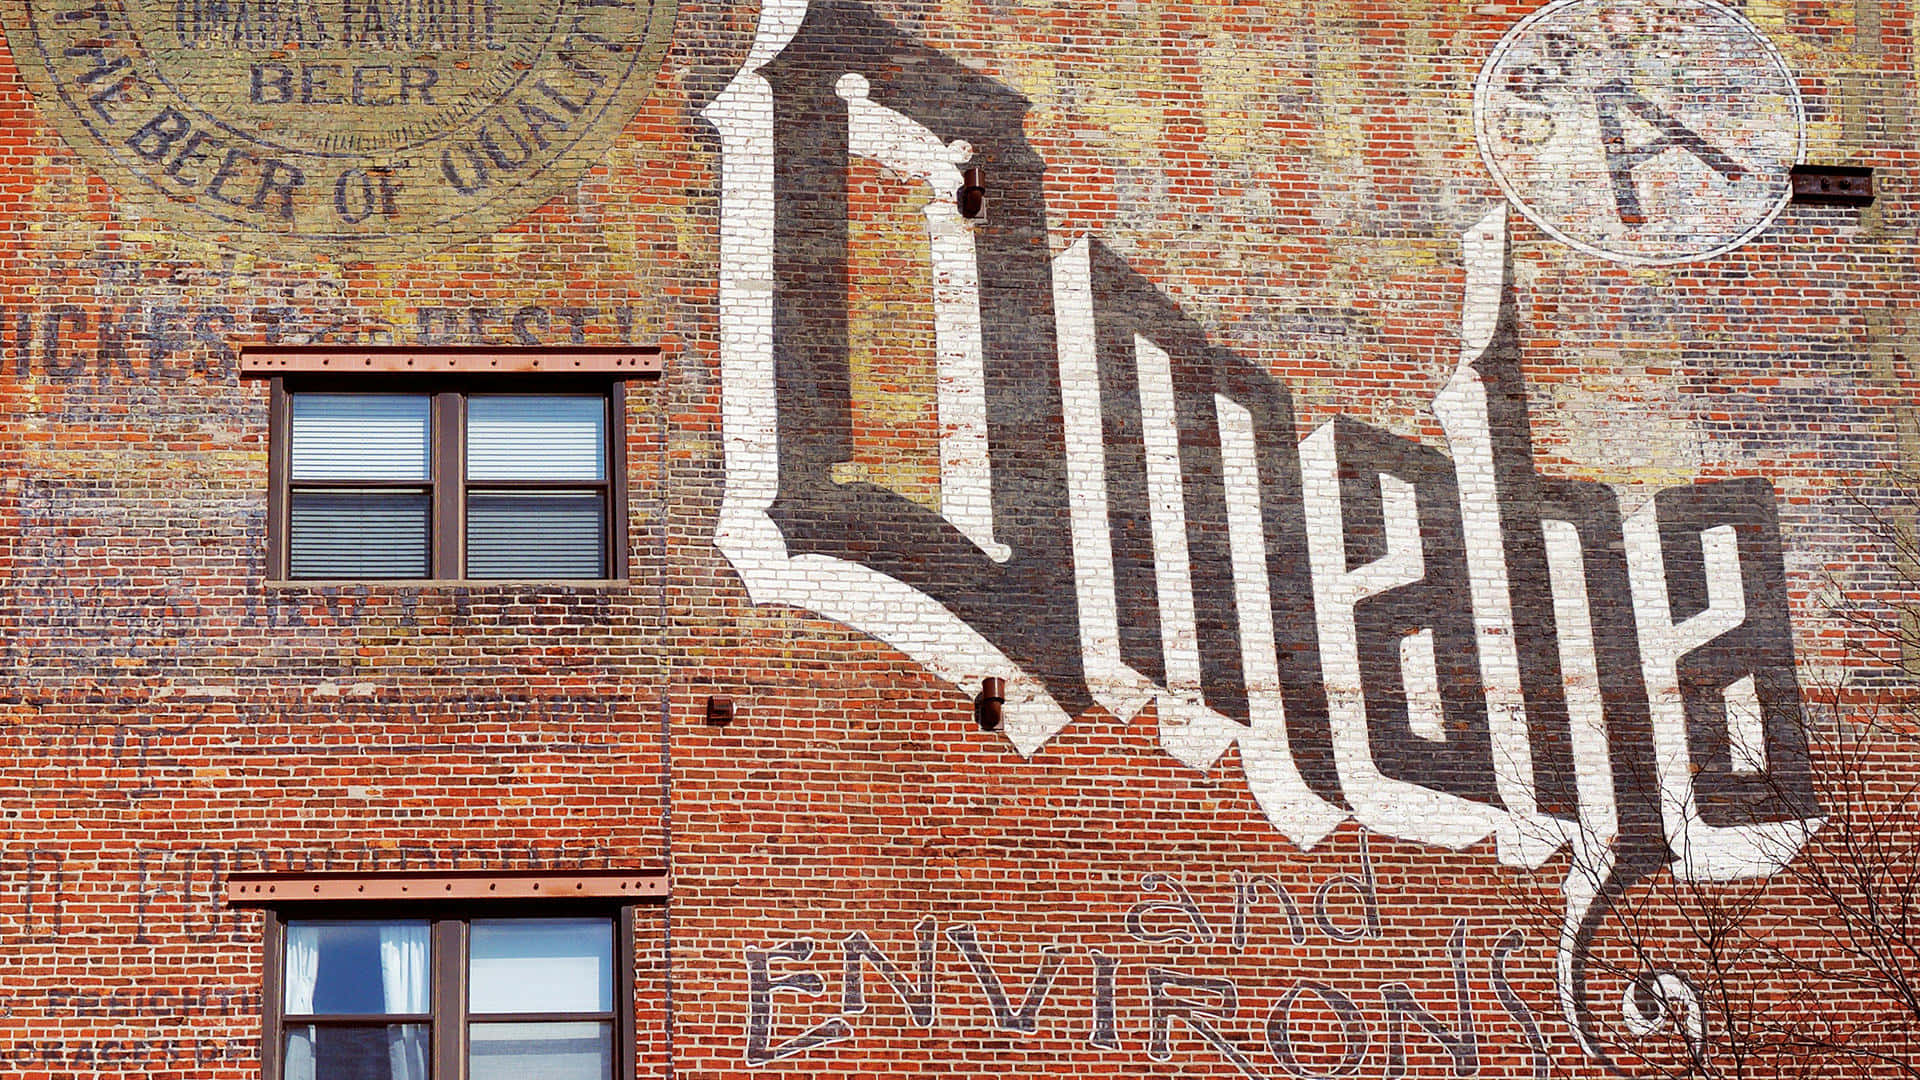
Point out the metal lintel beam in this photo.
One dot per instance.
(273, 889)
(638, 360)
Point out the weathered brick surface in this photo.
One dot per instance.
(1271, 197)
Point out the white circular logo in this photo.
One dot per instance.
(1646, 131)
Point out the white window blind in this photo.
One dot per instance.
(358, 531)
(360, 534)
(536, 534)
(553, 441)
(542, 965)
(541, 1051)
(361, 437)
(536, 437)
(526, 967)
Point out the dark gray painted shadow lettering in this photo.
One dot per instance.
(1025, 606)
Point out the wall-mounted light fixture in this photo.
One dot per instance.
(719, 710)
(972, 196)
(987, 705)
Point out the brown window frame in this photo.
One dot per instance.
(447, 483)
(448, 1017)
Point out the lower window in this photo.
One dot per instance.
(445, 997)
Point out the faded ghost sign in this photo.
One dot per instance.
(1651, 131)
(1443, 647)
(784, 978)
(337, 128)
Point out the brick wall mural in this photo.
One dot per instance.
(1443, 648)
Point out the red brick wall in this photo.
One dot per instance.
(1286, 185)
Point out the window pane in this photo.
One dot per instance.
(536, 437)
(360, 437)
(541, 965)
(356, 968)
(572, 1051)
(536, 534)
(356, 1052)
(359, 534)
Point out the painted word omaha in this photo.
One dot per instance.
(1444, 647)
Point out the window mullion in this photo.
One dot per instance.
(279, 405)
(449, 1000)
(449, 485)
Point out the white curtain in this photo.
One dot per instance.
(405, 958)
(302, 973)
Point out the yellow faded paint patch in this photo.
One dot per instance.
(1337, 86)
(1768, 15)
(1126, 96)
(1238, 94)
(893, 368)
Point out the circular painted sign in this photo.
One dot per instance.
(1648, 131)
(348, 129)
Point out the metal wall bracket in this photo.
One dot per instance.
(1833, 185)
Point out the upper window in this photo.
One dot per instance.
(466, 479)
(446, 998)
